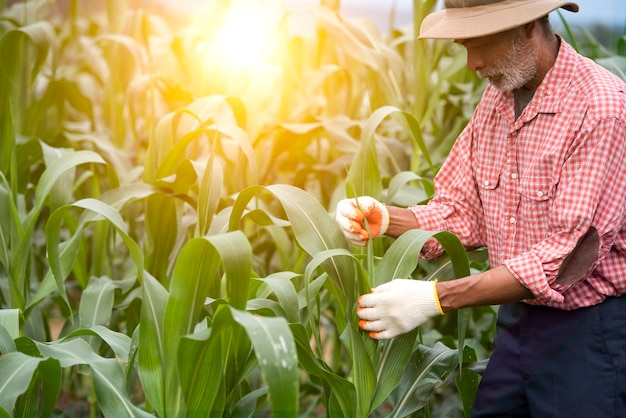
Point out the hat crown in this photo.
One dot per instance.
(458, 4)
(464, 19)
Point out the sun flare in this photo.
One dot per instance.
(246, 38)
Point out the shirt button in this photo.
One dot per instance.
(539, 193)
(486, 182)
(514, 133)
(514, 176)
(512, 219)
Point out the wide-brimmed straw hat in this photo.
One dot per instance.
(464, 19)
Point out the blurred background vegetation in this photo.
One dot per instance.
(167, 182)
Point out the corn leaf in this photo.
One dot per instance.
(363, 373)
(44, 186)
(61, 261)
(17, 370)
(426, 371)
(40, 35)
(343, 391)
(281, 285)
(393, 361)
(276, 354)
(151, 350)
(108, 377)
(45, 387)
(201, 360)
(10, 320)
(7, 345)
(118, 342)
(209, 195)
(96, 303)
(195, 277)
(313, 228)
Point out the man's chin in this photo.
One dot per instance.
(499, 84)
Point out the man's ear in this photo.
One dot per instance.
(529, 28)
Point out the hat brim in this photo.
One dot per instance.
(473, 22)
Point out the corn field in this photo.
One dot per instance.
(167, 241)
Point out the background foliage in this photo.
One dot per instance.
(167, 246)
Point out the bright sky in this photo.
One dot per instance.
(609, 12)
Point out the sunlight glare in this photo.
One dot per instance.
(246, 38)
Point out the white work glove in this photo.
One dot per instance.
(350, 214)
(397, 307)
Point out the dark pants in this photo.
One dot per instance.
(552, 363)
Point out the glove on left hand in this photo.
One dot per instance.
(351, 216)
(397, 307)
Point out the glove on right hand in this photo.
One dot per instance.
(397, 307)
(350, 216)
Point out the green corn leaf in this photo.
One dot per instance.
(17, 370)
(343, 390)
(40, 35)
(364, 177)
(321, 259)
(44, 186)
(401, 259)
(108, 376)
(314, 230)
(10, 320)
(201, 361)
(281, 285)
(467, 382)
(51, 376)
(8, 144)
(161, 228)
(61, 191)
(615, 63)
(209, 195)
(276, 354)
(402, 256)
(397, 193)
(151, 350)
(363, 373)
(195, 277)
(41, 396)
(7, 222)
(118, 342)
(62, 257)
(262, 306)
(393, 361)
(7, 345)
(96, 303)
(426, 371)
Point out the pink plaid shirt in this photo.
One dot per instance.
(528, 189)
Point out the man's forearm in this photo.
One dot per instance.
(493, 287)
(400, 221)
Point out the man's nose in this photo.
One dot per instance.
(474, 61)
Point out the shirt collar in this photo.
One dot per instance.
(548, 97)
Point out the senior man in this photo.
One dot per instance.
(538, 176)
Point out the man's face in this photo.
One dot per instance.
(509, 60)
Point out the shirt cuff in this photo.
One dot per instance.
(528, 269)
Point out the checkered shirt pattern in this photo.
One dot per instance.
(528, 189)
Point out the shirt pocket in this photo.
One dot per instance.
(536, 194)
(491, 195)
(537, 188)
